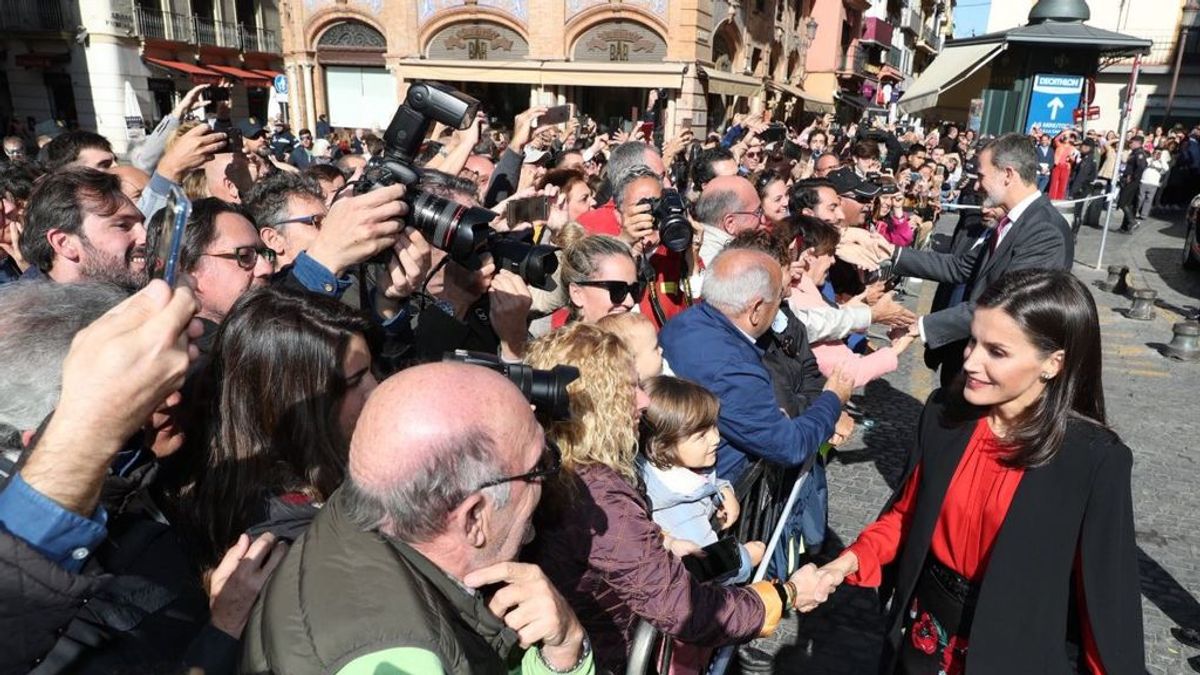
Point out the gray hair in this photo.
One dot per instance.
(1015, 151)
(634, 174)
(267, 200)
(414, 510)
(732, 294)
(623, 158)
(38, 320)
(715, 204)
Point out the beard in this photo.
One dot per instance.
(100, 265)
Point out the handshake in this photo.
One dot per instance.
(814, 585)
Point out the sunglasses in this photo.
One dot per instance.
(315, 220)
(548, 465)
(247, 256)
(617, 290)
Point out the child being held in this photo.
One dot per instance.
(677, 466)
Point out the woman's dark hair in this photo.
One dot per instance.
(764, 178)
(265, 413)
(326, 172)
(562, 179)
(1056, 312)
(814, 233)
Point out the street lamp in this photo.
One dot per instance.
(1190, 10)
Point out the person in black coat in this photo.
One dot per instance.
(1011, 536)
(1131, 181)
(1081, 182)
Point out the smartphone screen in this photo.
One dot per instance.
(528, 210)
(556, 115)
(773, 133)
(715, 561)
(165, 237)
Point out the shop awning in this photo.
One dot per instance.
(955, 64)
(249, 78)
(579, 73)
(730, 84)
(812, 102)
(269, 74)
(198, 74)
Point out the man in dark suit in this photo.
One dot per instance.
(1081, 182)
(1131, 180)
(1045, 162)
(1033, 235)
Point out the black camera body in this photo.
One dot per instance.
(545, 389)
(461, 231)
(670, 219)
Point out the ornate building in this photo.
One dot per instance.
(352, 59)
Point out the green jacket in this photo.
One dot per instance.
(347, 601)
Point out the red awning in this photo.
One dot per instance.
(198, 74)
(268, 73)
(250, 78)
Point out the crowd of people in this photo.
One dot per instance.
(490, 400)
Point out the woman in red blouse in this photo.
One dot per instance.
(1012, 533)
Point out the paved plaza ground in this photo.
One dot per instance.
(1153, 403)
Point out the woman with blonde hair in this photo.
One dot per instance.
(596, 540)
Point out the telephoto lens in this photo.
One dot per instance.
(545, 389)
(458, 229)
(670, 219)
(534, 263)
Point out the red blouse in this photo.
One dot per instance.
(976, 503)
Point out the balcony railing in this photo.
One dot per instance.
(31, 15)
(877, 31)
(854, 61)
(910, 20)
(931, 37)
(895, 58)
(158, 25)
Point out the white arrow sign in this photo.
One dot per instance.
(1056, 104)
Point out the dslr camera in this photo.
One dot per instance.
(670, 219)
(545, 389)
(461, 231)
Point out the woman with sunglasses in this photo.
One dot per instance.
(268, 431)
(596, 541)
(601, 278)
(772, 191)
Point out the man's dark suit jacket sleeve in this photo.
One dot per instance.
(954, 268)
(1044, 245)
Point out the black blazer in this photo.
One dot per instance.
(1080, 501)
(1041, 238)
(1085, 173)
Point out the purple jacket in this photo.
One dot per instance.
(605, 555)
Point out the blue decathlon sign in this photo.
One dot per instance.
(1052, 102)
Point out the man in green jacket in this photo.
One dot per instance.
(409, 566)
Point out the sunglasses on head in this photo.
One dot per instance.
(617, 290)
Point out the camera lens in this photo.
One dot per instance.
(675, 230)
(454, 228)
(534, 263)
(545, 389)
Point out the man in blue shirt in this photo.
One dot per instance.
(713, 344)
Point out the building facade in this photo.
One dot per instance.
(1157, 20)
(103, 64)
(352, 60)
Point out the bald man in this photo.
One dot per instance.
(228, 176)
(446, 465)
(728, 206)
(133, 181)
(713, 344)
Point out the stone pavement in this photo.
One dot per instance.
(1152, 403)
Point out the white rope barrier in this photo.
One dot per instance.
(950, 206)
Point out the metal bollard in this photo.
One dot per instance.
(1185, 344)
(1115, 274)
(1142, 308)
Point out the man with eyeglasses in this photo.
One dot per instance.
(418, 548)
(728, 206)
(223, 258)
(14, 148)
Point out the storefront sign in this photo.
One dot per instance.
(480, 41)
(620, 41)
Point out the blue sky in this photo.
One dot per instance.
(970, 17)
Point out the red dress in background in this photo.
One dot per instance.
(1060, 175)
(975, 506)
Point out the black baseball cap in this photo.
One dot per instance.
(250, 128)
(846, 182)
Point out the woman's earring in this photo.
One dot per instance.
(1046, 377)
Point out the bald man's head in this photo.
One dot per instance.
(745, 285)
(133, 181)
